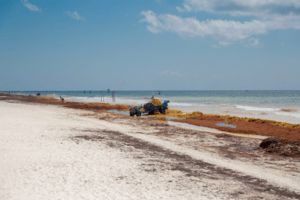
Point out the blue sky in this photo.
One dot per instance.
(149, 45)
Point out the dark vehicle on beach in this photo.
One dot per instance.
(149, 108)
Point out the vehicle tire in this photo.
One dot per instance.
(161, 110)
(151, 113)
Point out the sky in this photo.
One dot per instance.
(149, 45)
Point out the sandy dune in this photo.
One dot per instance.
(49, 152)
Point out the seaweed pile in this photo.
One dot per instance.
(285, 147)
(155, 102)
(261, 121)
(94, 106)
(246, 125)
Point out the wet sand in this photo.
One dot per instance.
(52, 152)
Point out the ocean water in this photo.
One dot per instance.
(280, 105)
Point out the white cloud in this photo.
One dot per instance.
(31, 6)
(75, 15)
(169, 73)
(241, 7)
(254, 42)
(222, 30)
(267, 15)
(187, 7)
(221, 43)
(180, 9)
(151, 18)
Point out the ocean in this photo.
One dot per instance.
(280, 105)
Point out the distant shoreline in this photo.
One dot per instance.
(277, 105)
(244, 125)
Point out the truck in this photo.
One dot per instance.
(149, 108)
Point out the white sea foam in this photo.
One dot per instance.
(297, 115)
(107, 100)
(180, 104)
(250, 108)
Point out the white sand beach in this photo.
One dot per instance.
(51, 152)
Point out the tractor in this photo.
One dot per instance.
(149, 108)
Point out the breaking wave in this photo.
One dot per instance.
(250, 108)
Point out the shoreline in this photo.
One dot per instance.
(252, 126)
(285, 108)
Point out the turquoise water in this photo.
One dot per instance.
(226, 125)
(266, 104)
(119, 112)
